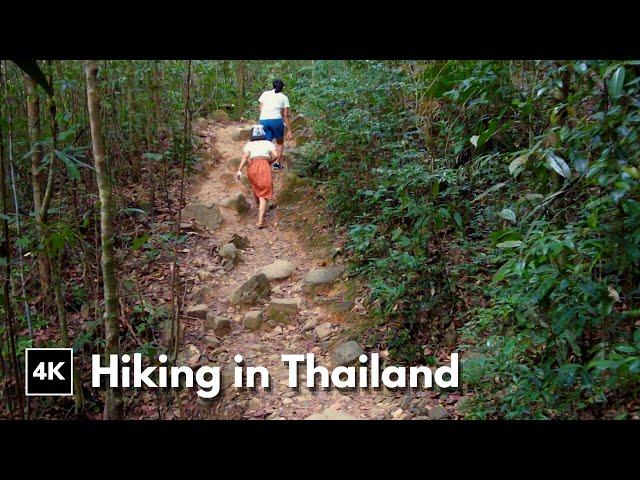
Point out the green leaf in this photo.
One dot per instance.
(132, 210)
(616, 83)
(458, 219)
(510, 244)
(444, 212)
(489, 190)
(139, 242)
(517, 165)
(533, 196)
(72, 168)
(626, 349)
(508, 215)
(558, 165)
(153, 156)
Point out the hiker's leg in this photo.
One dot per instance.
(261, 210)
(279, 149)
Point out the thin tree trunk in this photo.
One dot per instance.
(37, 177)
(113, 407)
(175, 281)
(6, 252)
(55, 266)
(56, 275)
(27, 311)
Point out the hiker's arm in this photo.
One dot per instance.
(287, 121)
(245, 159)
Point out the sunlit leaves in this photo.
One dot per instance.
(616, 83)
(558, 165)
(508, 214)
(510, 244)
(517, 165)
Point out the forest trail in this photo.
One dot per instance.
(316, 329)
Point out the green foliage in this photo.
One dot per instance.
(531, 170)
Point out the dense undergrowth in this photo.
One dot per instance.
(498, 200)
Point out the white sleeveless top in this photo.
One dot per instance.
(259, 148)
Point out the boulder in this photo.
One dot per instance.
(242, 134)
(278, 270)
(310, 325)
(253, 320)
(254, 289)
(239, 241)
(254, 404)
(207, 214)
(204, 275)
(227, 375)
(438, 413)
(228, 251)
(323, 276)
(221, 326)
(324, 330)
(197, 311)
(343, 306)
(321, 279)
(283, 310)
(238, 203)
(347, 353)
(229, 255)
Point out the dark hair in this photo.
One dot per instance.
(278, 85)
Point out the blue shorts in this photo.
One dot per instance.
(273, 128)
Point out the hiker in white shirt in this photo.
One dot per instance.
(274, 114)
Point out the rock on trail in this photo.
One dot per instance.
(206, 214)
(278, 270)
(250, 292)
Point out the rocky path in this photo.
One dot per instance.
(233, 306)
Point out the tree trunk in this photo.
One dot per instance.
(27, 312)
(175, 280)
(56, 264)
(37, 177)
(113, 407)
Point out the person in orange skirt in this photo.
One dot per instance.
(259, 153)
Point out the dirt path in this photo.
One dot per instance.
(207, 282)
